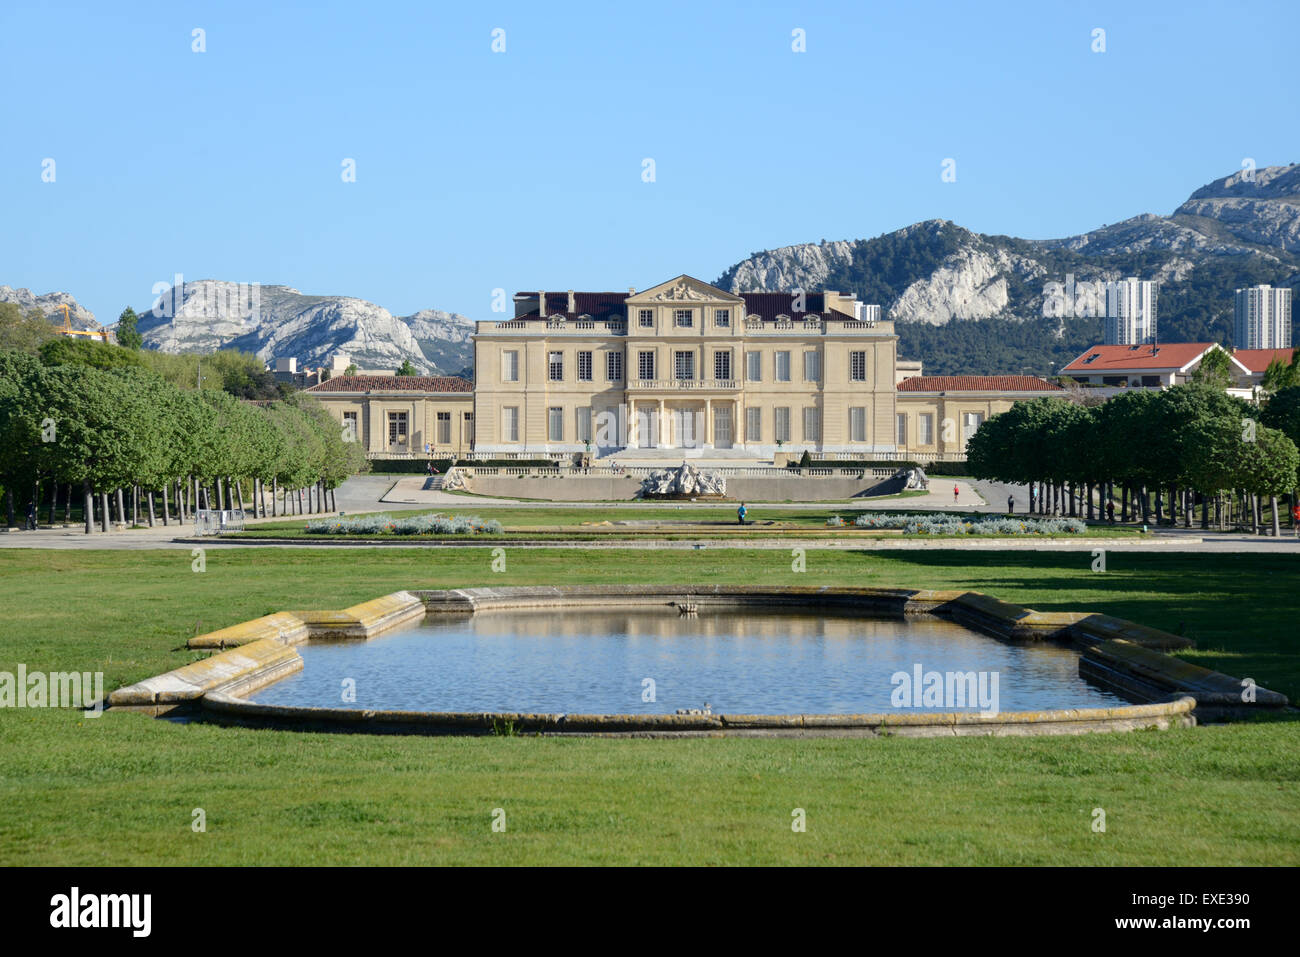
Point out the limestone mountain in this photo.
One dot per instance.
(967, 302)
(78, 315)
(281, 322)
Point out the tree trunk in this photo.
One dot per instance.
(9, 507)
(88, 506)
(104, 519)
(54, 499)
(1254, 514)
(166, 512)
(1205, 512)
(1277, 528)
(151, 511)
(275, 488)
(135, 505)
(239, 491)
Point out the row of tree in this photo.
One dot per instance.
(101, 434)
(1159, 453)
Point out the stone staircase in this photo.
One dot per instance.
(433, 483)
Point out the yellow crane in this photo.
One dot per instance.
(67, 330)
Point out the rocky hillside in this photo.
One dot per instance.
(277, 321)
(972, 303)
(78, 315)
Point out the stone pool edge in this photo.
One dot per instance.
(1123, 654)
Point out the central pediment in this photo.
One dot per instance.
(684, 289)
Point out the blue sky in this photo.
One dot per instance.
(477, 170)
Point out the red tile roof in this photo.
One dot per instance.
(1257, 360)
(977, 383)
(1168, 355)
(394, 383)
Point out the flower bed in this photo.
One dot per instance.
(406, 525)
(945, 523)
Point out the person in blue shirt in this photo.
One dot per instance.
(740, 514)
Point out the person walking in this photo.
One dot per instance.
(1033, 499)
(1110, 511)
(740, 514)
(955, 492)
(1011, 505)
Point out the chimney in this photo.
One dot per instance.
(541, 304)
(573, 303)
(631, 290)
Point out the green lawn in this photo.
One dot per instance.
(121, 788)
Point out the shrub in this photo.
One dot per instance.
(406, 525)
(945, 523)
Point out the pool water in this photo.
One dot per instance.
(593, 661)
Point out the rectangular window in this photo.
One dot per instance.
(584, 366)
(858, 424)
(971, 421)
(781, 425)
(812, 367)
(614, 366)
(683, 365)
(467, 429)
(510, 366)
(683, 318)
(754, 366)
(783, 367)
(645, 364)
(722, 318)
(901, 438)
(812, 424)
(927, 429)
(555, 424)
(397, 433)
(647, 318)
(583, 431)
(722, 365)
(858, 366)
(350, 432)
(510, 423)
(444, 428)
(753, 424)
(555, 363)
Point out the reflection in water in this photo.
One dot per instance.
(583, 660)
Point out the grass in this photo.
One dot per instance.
(121, 788)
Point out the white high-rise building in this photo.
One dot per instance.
(1262, 318)
(1131, 312)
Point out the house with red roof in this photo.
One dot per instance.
(402, 416)
(1152, 366)
(935, 415)
(1256, 363)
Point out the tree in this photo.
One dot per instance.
(1282, 375)
(128, 337)
(351, 369)
(24, 332)
(1267, 467)
(406, 368)
(1215, 369)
